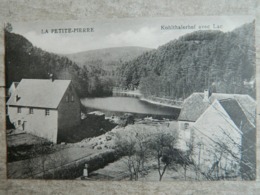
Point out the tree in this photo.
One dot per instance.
(37, 161)
(194, 62)
(164, 149)
(44, 164)
(187, 157)
(23, 60)
(134, 149)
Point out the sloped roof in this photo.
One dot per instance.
(216, 116)
(43, 93)
(15, 84)
(194, 105)
(235, 112)
(12, 87)
(247, 104)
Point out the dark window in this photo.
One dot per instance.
(19, 122)
(30, 110)
(47, 112)
(186, 125)
(19, 110)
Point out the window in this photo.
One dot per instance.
(186, 126)
(19, 110)
(19, 122)
(67, 98)
(47, 112)
(72, 98)
(30, 110)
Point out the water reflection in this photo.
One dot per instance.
(130, 105)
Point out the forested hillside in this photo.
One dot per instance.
(222, 62)
(23, 60)
(108, 58)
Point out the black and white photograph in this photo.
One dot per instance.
(140, 99)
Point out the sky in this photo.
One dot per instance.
(142, 32)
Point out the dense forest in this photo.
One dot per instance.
(222, 62)
(23, 60)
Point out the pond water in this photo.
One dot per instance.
(129, 105)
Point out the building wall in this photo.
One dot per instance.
(216, 139)
(68, 110)
(248, 162)
(184, 134)
(184, 125)
(38, 123)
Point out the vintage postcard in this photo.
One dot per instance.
(147, 99)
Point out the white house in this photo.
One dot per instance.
(44, 107)
(222, 129)
(216, 141)
(197, 103)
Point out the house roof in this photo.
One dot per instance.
(218, 116)
(194, 105)
(15, 84)
(235, 112)
(43, 93)
(12, 88)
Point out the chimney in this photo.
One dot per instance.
(206, 95)
(51, 77)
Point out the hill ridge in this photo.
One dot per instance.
(221, 61)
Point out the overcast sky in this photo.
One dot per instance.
(143, 32)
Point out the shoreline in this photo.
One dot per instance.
(134, 93)
(159, 103)
(138, 94)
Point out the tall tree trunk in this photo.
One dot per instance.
(161, 174)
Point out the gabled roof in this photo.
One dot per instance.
(194, 105)
(216, 116)
(12, 87)
(15, 84)
(42, 93)
(236, 113)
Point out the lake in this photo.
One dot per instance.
(129, 105)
